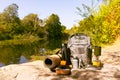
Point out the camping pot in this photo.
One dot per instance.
(96, 63)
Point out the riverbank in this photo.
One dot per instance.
(36, 70)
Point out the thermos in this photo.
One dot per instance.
(75, 63)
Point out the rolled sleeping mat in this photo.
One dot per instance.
(52, 61)
(97, 51)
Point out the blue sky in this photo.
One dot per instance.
(65, 9)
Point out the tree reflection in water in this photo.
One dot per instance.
(17, 54)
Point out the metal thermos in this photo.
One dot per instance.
(75, 63)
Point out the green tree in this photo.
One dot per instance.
(65, 34)
(9, 21)
(30, 23)
(33, 25)
(11, 17)
(54, 29)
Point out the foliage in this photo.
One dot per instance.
(73, 30)
(9, 22)
(30, 23)
(37, 57)
(20, 40)
(54, 29)
(103, 25)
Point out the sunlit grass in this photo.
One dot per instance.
(37, 57)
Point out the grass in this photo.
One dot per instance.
(37, 57)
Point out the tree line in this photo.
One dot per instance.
(30, 29)
(102, 25)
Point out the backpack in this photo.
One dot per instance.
(80, 48)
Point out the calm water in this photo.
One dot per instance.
(22, 59)
(20, 54)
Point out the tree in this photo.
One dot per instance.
(103, 25)
(87, 10)
(110, 25)
(65, 34)
(30, 23)
(53, 27)
(73, 30)
(9, 21)
(33, 25)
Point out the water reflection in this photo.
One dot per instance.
(16, 54)
(1, 64)
(22, 59)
